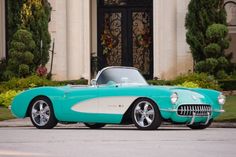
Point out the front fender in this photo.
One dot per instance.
(22, 101)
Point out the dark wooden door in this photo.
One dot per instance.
(125, 35)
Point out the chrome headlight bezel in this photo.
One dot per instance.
(221, 99)
(174, 98)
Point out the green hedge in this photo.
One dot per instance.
(34, 81)
(202, 80)
(159, 82)
(9, 89)
(227, 85)
(7, 97)
(73, 82)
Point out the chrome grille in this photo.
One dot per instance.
(199, 110)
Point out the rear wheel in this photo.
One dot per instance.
(146, 115)
(42, 114)
(94, 125)
(199, 126)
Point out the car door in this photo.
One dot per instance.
(113, 102)
(81, 104)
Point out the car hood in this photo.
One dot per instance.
(195, 95)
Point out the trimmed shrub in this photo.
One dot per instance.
(7, 97)
(207, 66)
(212, 50)
(215, 62)
(201, 26)
(3, 66)
(35, 16)
(24, 70)
(223, 63)
(20, 56)
(215, 32)
(222, 75)
(159, 82)
(189, 85)
(203, 80)
(72, 82)
(35, 81)
(228, 85)
(233, 75)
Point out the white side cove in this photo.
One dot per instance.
(105, 105)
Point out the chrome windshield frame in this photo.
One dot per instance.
(119, 67)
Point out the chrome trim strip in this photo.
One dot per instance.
(175, 110)
(121, 67)
(208, 118)
(221, 111)
(193, 119)
(169, 110)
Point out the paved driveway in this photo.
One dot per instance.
(114, 141)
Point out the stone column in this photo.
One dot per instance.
(165, 39)
(74, 40)
(156, 41)
(87, 41)
(184, 57)
(58, 30)
(2, 30)
(78, 31)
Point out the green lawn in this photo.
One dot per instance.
(5, 114)
(228, 116)
(230, 110)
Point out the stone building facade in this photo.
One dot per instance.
(78, 27)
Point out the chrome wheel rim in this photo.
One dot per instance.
(40, 112)
(144, 114)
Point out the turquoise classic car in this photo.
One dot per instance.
(119, 95)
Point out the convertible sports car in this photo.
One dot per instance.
(119, 95)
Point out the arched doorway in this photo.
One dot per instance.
(125, 34)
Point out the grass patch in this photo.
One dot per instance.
(5, 114)
(230, 110)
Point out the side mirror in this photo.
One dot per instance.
(93, 82)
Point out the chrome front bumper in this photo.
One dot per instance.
(193, 117)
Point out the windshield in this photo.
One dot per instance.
(121, 76)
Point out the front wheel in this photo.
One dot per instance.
(146, 115)
(94, 125)
(200, 126)
(42, 114)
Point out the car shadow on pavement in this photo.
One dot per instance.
(123, 128)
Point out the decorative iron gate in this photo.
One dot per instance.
(125, 34)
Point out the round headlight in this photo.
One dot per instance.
(174, 98)
(221, 99)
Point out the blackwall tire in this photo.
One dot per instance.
(146, 115)
(42, 114)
